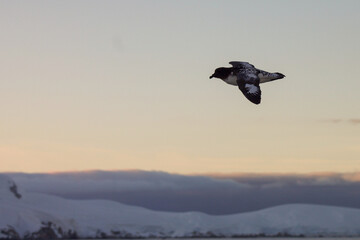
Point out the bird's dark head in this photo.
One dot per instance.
(221, 73)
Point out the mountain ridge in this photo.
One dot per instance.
(36, 215)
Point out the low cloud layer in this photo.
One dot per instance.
(213, 194)
(354, 121)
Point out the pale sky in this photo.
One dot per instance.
(125, 85)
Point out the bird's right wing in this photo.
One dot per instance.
(251, 91)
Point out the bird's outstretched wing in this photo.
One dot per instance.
(251, 91)
(237, 64)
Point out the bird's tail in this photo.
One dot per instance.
(267, 77)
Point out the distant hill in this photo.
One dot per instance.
(30, 215)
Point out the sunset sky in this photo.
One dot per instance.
(125, 85)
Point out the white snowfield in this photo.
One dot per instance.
(96, 218)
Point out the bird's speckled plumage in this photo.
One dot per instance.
(247, 78)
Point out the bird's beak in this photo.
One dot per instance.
(211, 76)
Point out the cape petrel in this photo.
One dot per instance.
(247, 78)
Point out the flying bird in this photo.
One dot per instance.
(247, 78)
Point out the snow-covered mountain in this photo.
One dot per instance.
(30, 215)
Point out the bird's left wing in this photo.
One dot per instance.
(251, 91)
(237, 64)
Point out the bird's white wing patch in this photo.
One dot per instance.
(252, 89)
